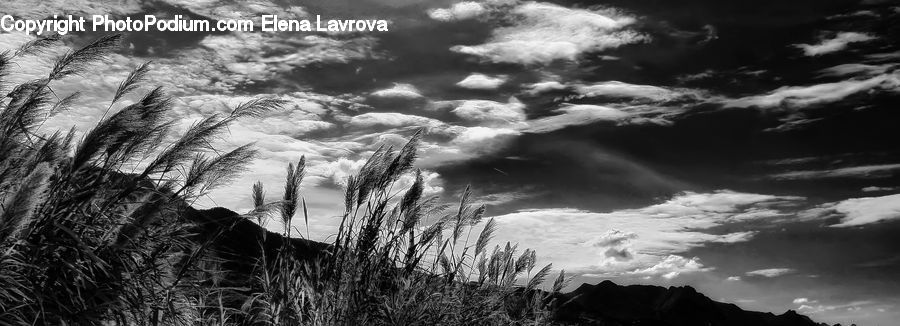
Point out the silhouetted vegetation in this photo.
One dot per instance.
(96, 229)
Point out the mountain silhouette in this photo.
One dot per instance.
(611, 304)
(240, 241)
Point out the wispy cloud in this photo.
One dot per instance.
(837, 43)
(771, 272)
(859, 211)
(641, 238)
(865, 171)
(805, 96)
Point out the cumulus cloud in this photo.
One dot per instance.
(672, 266)
(542, 33)
(464, 143)
(482, 81)
(580, 240)
(771, 272)
(837, 43)
(458, 11)
(339, 170)
(860, 211)
(399, 91)
(804, 96)
(483, 140)
(491, 112)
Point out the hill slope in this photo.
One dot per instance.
(605, 303)
(610, 304)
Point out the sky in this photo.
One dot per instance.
(746, 149)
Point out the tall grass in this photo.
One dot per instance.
(98, 230)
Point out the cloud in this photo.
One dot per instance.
(580, 240)
(252, 9)
(399, 91)
(41, 9)
(866, 171)
(859, 211)
(391, 120)
(491, 112)
(851, 69)
(339, 170)
(804, 96)
(312, 49)
(877, 189)
(482, 81)
(771, 272)
(735, 237)
(733, 278)
(483, 140)
(545, 86)
(612, 238)
(458, 11)
(837, 43)
(803, 301)
(541, 33)
(811, 308)
(673, 266)
(575, 115)
(617, 89)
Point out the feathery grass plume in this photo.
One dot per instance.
(25, 108)
(408, 205)
(539, 277)
(259, 195)
(370, 173)
(64, 103)
(132, 82)
(74, 62)
(404, 159)
(256, 107)
(38, 45)
(206, 174)
(560, 283)
(487, 233)
(199, 136)
(133, 130)
(291, 197)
